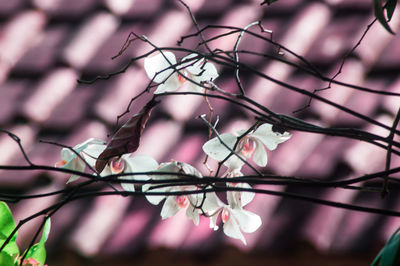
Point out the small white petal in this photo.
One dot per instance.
(246, 197)
(209, 72)
(153, 199)
(234, 163)
(240, 198)
(213, 221)
(212, 203)
(268, 137)
(248, 221)
(139, 163)
(128, 186)
(190, 170)
(193, 214)
(171, 84)
(170, 208)
(73, 178)
(232, 229)
(159, 66)
(216, 150)
(189, 62)
(260, 155)
(92, 152)
(193, 87)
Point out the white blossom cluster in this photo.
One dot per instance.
(232, 149)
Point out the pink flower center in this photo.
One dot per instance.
(117, 165)
(225, 215)
(181, 79)
(182, 201)
(61, 163)
(247, 147)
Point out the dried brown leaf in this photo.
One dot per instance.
(127, 138)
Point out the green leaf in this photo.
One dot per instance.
(38, 251)
(7, 223)
(378, 9)
(11, 248)
(390, 253)
(6, 259)
(390, 6)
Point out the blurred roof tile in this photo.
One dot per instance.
(49, 93)
(44, 53)
(165, 233)
(10, 7)
(90, 235)
(366, 158)
(62, 9)
(299, 38)
(324, 223)
(390, 58)
(119, 7)
(34, 205)
(11, 151)
(96, 30)
(367, 108)
(170, 27)
(11, 93)
(353, 72)
(376, 41)
(392, 104)
(17, 38)
(239, 16)
(289, 156)
(159, 139)
(71, 109)
(117, 95)
(144, 9)
(129, 233)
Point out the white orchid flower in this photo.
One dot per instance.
(89, 151)
(251, 145)
(239, 198)
(235, 219)
(127, 164)
(160, 69)
(174, 203)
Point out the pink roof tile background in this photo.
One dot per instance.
(46, 45)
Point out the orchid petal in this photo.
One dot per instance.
(130, 187)
(208, 72)
(139, 163)
(240, 198)
(170, 208)
(248, 221)
(159, 66)
(260, 155)
(268, 137)
(246, 197)
(216, 150)
(212, 203)
(232, 228)
(190, 170)
(154, 199)
(92, 152)
(192, 61)
(193, 214)
(171, 84)
(213, 220)
(234, 163)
